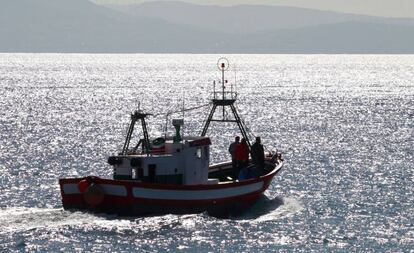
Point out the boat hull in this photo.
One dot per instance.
(129, 197)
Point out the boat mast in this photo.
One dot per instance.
(137, 115)
(224, 102)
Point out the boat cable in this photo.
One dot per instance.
(168, 114)
(251, 134)
(182, 110)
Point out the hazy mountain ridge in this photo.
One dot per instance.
(245, 19)
(81, 26)
(346, 37)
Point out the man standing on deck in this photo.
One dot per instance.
(232, 151)
(258, 154)
(242, 156)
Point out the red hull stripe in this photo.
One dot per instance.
(110, 189)
(147, 193)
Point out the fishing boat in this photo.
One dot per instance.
(172, 174)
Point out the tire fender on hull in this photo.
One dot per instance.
(94, 195)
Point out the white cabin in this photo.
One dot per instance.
(185, 162)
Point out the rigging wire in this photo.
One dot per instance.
(183, 110)
(168, 114)
(250, 133)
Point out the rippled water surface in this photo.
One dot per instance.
(344, 123)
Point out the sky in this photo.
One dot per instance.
(385, 8)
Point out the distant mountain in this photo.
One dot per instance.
(82, 26)
(246, 19)
(348, 37)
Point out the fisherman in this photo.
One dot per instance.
(242, 155)
(232, 151)
(258, 154)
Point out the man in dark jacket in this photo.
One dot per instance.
(258, 153)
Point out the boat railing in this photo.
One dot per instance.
(224, 95)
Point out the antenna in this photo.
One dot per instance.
(235, 80)
(214, 89)
(183, 109)
(223, 65)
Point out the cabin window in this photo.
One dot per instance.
(140, 173)
(199, 153)
(206, 152)
(152, 172)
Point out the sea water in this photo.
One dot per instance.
(344, 124)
